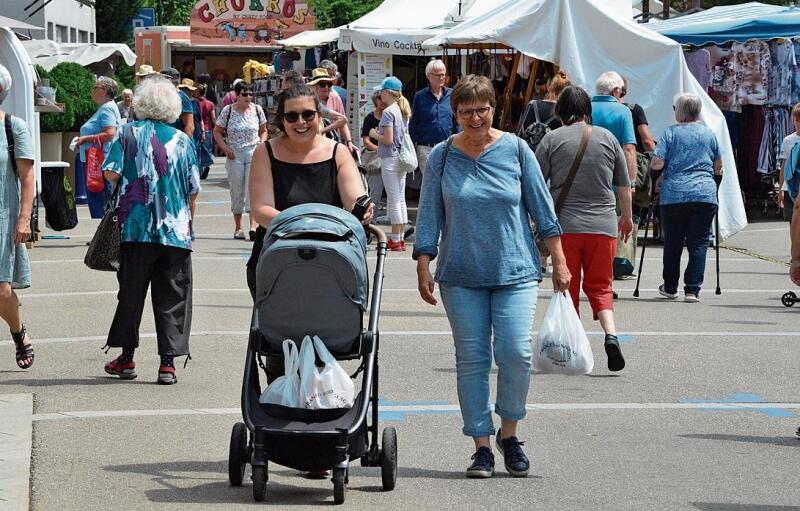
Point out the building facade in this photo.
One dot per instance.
(63, 21)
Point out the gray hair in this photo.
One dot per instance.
(607, 82)
(687, 107)
(330, 66)
(127, 91)
(108, 85)
(5, 83)
(375, 96)
(157, 99)
(433, 65)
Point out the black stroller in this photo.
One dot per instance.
(312, 279)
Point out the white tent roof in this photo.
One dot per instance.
(48, 54)
(585, 40)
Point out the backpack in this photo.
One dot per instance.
(535, 132)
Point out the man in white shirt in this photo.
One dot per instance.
(784, 199)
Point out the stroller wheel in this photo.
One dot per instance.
(339, 485)
(389, 459)
(237, 454)
(259, 483)
(788, 299)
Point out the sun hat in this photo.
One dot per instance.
(392, 83)
(188, 83)
(146, 70)
(320, 75)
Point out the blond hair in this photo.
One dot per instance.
(558, 83)
(402, 102)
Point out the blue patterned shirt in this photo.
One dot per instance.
(159, 171)
(689, 152)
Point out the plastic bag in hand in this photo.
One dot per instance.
(285, 390)
(330, 387)
(562, 346)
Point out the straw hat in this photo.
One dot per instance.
(320, 75)
(187, 83)
(146, 70)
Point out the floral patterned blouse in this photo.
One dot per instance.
(242, 127)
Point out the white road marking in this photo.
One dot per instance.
(103, 414)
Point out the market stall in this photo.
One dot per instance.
(746, 56)
(585, 39)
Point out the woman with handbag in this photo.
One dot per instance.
(480, 189)
(241, 127)
(16, 202)
(154, 167)
(390, 134)
(96, 135)
(584, 164)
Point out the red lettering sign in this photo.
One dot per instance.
(288, 9)
(204, 14)
(238, 5)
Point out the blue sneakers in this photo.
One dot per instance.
(482, 464)
(516, 462)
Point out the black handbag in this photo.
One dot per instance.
(103, 252)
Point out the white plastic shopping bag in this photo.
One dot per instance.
(562, 346)
(329, 387)
(285, 390)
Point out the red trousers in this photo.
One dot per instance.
(590, 257)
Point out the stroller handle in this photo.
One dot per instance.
(378, 232)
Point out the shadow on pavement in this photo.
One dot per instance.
(769, 440)
(719, 506)
(59, 382)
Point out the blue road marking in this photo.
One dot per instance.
(622, 338)
(743, 399)
(401, 415)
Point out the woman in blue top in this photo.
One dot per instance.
(16, 200)
(688, 153)
(104, 127)
(479, 191)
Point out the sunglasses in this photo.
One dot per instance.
(246, 94)
(467, 114)
(325, 85)
(308, 115)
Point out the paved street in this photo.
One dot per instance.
(702, 418)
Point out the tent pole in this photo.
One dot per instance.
(512, 77)
(532, 80)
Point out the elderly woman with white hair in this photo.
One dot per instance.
(103, 128)
(154, 167)
(688, 153)
(16, 201)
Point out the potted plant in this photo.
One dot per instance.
(52, 125)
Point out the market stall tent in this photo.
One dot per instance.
(49, 54)
(585, 40)
(738, 23)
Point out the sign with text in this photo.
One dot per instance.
(248, 22)
(388, 42)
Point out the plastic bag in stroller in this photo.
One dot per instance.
(312, 279)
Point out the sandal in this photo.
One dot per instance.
(238, 235)
(24, 351)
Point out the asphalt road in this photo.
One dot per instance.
(702, 418)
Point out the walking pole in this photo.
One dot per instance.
(647, 218)
(716, 247)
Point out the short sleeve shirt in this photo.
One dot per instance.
(106, 116)
(186, 108)
(158, 168)
(242, 128)
(392, 118)
(612, 115)
(370, 122)
(639, 118)
(689, 152)
(786, 149)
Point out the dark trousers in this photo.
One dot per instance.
(168, 272)
(690, 224)
(788, 206)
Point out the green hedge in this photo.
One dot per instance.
(50, 123)
(75, 85)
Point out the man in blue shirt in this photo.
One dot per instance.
(185, 121)
(609, 112)
(432, 118)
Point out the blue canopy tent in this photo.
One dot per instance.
(737, 23)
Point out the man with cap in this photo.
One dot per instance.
(185, 121)
(322, 83)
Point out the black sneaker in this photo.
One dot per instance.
(204, 173)
(516, 462)
(614, 353)
(482, 464)
(408, 232)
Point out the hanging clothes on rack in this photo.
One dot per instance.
(752, 64)
(699, 62)
(781, 73)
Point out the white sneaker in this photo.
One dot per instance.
(663, 293)
(691, 298)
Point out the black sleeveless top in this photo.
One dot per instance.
(299, 183)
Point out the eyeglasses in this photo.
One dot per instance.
(467, 114)
(308, 115)
(438, 75)
(246, 94)
(325, 85)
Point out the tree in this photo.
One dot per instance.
(112, 18)
(334, 13)
(171, 12)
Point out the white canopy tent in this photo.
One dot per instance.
(585, 40)
(48, 54)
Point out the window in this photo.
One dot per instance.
(83, 36)
(61, 34)
(50, 32)
(91, 37)
(73, 35)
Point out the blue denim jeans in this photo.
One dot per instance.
(688, 223)
(475, 314)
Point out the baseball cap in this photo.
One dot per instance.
(392, 83)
